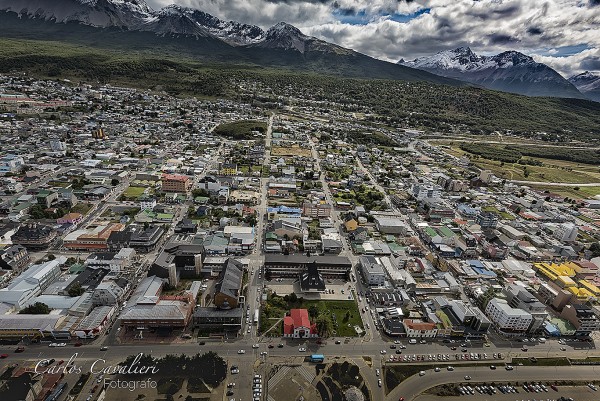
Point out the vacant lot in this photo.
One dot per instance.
(294, 150)
(134, 192)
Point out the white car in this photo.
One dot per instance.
(61, 344)
(52, 345)
(379, 382)
(383, 352)
(242, 351)
(422, 373)
(301, 349)
(377, 373)
(254, 345)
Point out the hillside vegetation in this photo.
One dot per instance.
(395, 103)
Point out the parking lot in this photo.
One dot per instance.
(336, 291)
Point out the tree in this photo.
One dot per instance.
(76, 290)
(324, 325)
(38, 308)
(595, 249)
(313, 311)
(293, 298)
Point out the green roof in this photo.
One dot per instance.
(164, 216)
(563, 325)
(76, 268)
(445, 231)
(430, 232)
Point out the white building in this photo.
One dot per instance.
(422, 192)
(507, 319)
(566, 232)
(372, 270)
(107, 293)
(147, 203)
(31, 283)
(56, 145)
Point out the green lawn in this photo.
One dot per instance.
(345, 327)
(504, 215)
(275, 309)
(134, 192)
(82, 208)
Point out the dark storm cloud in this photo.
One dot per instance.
(501, 39)
(592, 64)
(534, 30)
(495, 13)
(394, 29)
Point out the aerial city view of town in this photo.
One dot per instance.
(178, 231)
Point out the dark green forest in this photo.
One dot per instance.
(424, 105)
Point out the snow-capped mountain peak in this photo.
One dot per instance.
(509, 71)
(588, 83)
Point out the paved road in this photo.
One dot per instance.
(415, 385)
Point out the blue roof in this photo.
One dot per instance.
(284, 209)
(484, 272)
(551, 329)
(475, 263)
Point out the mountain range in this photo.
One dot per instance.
(509, 71)
(127, 24)
(588, 84)
(181, 31)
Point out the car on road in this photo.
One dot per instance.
(2, 356)
(229, 393)
(422, 373)
(20, 349)
(436, 369)
(590, 385)
(338, 342)
(493, 367)
(563, 349)
(467, 377)
(271, 346)
(279, 345)
(450, 368)
(301, 349)
(263, 353)
(202, 343)
(382, 352)
(379, 382)
(508, 367)
(255, 346)
(377, 372)
(105, 348)
(61, 344)
(241, 351)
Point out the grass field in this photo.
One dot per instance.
(346, 314)
(134, 192)
(571, 192)
(551, 171)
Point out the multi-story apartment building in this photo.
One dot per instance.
(508, 320)
(176, 183)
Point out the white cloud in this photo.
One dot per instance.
(488, 26)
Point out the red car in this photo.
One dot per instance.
(61, 362)
(401, 399)
(4, 356)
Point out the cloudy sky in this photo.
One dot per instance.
(564, 34)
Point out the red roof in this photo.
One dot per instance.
(297, 318)
(175, 177)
